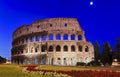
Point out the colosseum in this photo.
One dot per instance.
(52, 41)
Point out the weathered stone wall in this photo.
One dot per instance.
(27, 48)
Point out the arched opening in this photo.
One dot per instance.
(72, 37)
(58, 48)
(51, 37)
(58, 61)
(26, 40)
(43, 48)
(73, 48)
(64, 61)
(58, 37)
(37, 38)
(50, 48)
(36, 49)
(32, 39)
(44, 37)
(80, 48)
(65, 48)
(86, 49)
(65, 37)
(79, 37)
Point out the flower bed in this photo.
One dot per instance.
(73, 73)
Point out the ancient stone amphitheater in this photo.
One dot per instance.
(53, 41)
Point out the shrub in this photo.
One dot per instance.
(81, 64)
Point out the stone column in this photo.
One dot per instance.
(47, 37)
(61, 48)
(69, 48)
(62, 37)
(76, 48)
(69, 37)
(76, 37)
(61, 60)
(54, 37)
(34, 38)
(29, 49)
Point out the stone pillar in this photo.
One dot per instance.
(54, 37)
(76, 37)
(69, 37)
(61, 60)
(62, 37)
(47, 60)
(39, 48)
(28, 48)
(47, 37)
(76, 48)
(34, 38)
(40, 38)
(69, 48)
(61, 48)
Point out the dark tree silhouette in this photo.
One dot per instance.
(97, 53)
(2, 60)
(106, 54)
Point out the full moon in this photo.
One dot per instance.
(91, 2)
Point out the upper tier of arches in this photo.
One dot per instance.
(50, 37)
(51, 24)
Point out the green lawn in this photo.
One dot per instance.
(64, 68)
(17, 71)
(14, 71)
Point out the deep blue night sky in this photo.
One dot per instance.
(101, 21)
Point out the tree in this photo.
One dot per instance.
(118, 49)
(2, 60)
(96, 53)
(106, 54)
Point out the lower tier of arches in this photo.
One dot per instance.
(51, 59)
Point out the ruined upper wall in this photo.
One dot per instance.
(50, 24)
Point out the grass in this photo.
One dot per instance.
(64, 68)
(14, 71)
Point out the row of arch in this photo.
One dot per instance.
(50, 37)
(51, 49)
(65, 48)
(58, 37)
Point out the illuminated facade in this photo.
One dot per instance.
(53, 41)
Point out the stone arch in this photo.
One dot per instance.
(43, 48)
(72, 37)
(80, 48)
(79, 37)
(58, 61)
(58, 37)
(65, 48)
(44, 37)
(86, 48)
(50, 48)
(32, 39)
(27, 40)
(51, 37)
(64, 61)
(72, 48)
(38, 38)
(58, 48)
(65, 37)
(37, 48)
